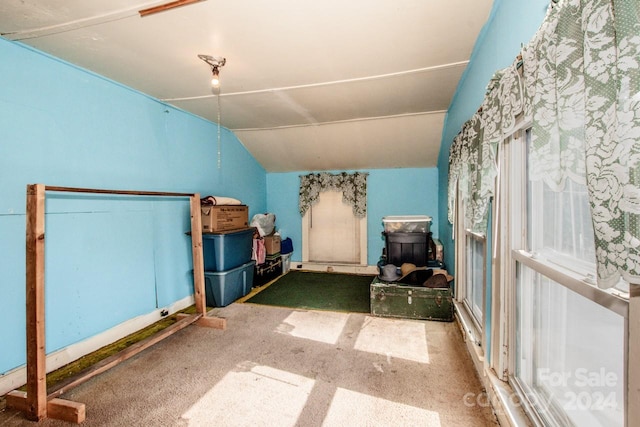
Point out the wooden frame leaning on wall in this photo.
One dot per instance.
(35, 402)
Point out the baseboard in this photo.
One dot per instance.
(334, 268)
(17, 377)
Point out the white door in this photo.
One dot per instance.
(334, 231)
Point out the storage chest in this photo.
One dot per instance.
(411, 302)
(268, 271)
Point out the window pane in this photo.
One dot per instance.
(570, 354)
(559, 224)
(475, 277)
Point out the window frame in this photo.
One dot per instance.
(510, 249)
(466, 300)
(473, 326)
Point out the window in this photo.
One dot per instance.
(333, 231)
(471, 266)
(567, 357)
(475, 277)
(334, 217)
(569, 362)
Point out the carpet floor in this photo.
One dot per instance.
(319, 291)
(281, 367)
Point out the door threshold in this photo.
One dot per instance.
(335, 267)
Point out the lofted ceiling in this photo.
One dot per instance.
(358, 84)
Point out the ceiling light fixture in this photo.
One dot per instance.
(215, 62)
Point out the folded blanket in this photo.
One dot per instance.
(217, 200)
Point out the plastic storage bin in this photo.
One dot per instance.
(224, 287)
(227, 249)
(407, 247)
(407, 224)
(286, 263)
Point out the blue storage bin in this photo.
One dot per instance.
(286, 246)
(227, 249)
(224, 287)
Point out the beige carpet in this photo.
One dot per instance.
(283, 367)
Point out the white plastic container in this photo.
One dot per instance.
(286, 263)
(407, 224)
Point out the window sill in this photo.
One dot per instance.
(505, 402)
(472, 337)
(503, 398)
(469, 328)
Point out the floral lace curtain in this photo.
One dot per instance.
(472, 167)
(580, 86)
(353, 187)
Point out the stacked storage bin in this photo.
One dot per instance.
(408, 240)
(228, 265)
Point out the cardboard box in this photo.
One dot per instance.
(272, 244)
(224, 217)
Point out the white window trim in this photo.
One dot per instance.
(581, 285)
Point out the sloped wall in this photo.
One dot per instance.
(108, 259)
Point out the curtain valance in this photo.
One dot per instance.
(578, 83)
(353, 187)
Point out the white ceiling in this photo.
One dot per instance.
(308, 85)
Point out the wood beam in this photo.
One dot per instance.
(121, 356)
(165, 7)
(36, 356)
(213, 322)
(66, 410)
(208, 322)
(17, 400)
(198, 257)
(121, 192)
(59, 409)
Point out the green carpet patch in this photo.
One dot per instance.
(318, 291)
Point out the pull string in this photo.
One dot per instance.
(219, 140)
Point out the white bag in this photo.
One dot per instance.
(265, 223)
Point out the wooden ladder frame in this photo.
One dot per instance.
(36, 403)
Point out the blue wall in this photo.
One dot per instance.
(512, 23)
(108, 258)
(389, 192)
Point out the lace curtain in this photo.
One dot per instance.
(353, 187)
(472, 166)
(580, 86)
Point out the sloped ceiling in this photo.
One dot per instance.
(307, 86)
